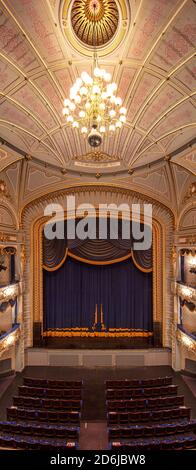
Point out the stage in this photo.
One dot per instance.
(98, 357)
(97, 342)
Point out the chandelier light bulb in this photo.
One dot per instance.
(102, 106)
(86, 78)
(102, 129)
(69, 118)
(107, 77)
(82, 114)
(97, 72)
(109, 91)
(83, 91)
(113, 99)
(77, 99)
(87, 105)
(112, 113)
(84, 130)
(72, 106)
(113, 86)
(122, 118)
(111, 127)
(118, 101)
(104, 95)
(102, 73)
(66, 103)
(65, 111)
(96, 90)
(123, 110)
(118, 124)
(75, 124)
(78, 82)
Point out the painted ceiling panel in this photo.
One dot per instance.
(34, 18)
(182, 115)
(7, 75)
(179, 41)
(126, 78)
(166, 98)
(50, 91)
(146, 85)
(9, 112)
(187, 74)
(152, 18)
(30, 100)
(13, 44)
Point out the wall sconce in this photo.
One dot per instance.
(9, 292)
(192, 263)
(186, 293)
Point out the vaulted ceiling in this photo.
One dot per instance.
(153, 65)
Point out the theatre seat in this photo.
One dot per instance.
(68, 417)
(28, 443)
(51, 404)
(52, 383)
(147, 416)
(138, 383)
(39, 430)
(134, 432)
(67, 393)
(144, 445)
(126, 393)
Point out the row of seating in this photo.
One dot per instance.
(52, 383)
(143, 403)
(39, 430)
(22, 414)
(125, 393)
(130, 432)
(131, 383)
(68, 393)
(50, 403)
(170, 443)
(181, 412)
(28, 443)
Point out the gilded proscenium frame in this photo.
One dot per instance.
(37, 270)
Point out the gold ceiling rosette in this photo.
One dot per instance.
(94, 22)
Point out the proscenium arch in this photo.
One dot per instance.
(163, 221)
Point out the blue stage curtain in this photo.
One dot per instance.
(71, 293)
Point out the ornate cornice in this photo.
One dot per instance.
(93, 187)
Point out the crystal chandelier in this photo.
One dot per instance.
(93, 107)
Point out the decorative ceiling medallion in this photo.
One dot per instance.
(106, 19)
(96, 157)
(112, 17)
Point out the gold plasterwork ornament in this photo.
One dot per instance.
(106, 20)
(112, 22)
(96, 157)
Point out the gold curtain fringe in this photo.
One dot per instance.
(102, 334)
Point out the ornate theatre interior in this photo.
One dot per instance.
(87, 304)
